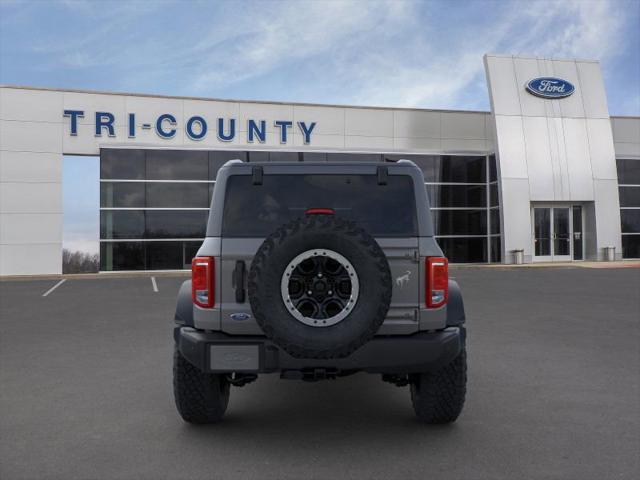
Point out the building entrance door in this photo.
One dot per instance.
(557, 233)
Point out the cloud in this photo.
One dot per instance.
(283, 36)
(84, 246)
(389, 55)
(561, 29)
(392, 53)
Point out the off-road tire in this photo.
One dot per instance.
(200, 397)
(314, 232)
(438, 397)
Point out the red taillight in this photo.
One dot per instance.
(320, 211)
(437, 281)
(202, 281)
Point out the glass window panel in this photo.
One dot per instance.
(628, 171)
(496, 252)
(177, 195)
(493, 169)
(121, 224)
(457, 195)
(218, 158)
(561, 232)
(494, 199)
(354, 157)
(542, 231)
(122, 256)
(577, 232)
(284, 157)
(460, 222)
(190, 251)
(631, 246)
(426, 163)
(123, 164)
(258, 156)
(257, 210)
(464, 250)
(629, 196)
(460, 169)
(494, 218)
(122, 195)
(630, 221)
(177, 165)
(176, 223)
(165, 256)
(314, 156)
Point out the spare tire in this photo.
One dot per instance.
(320, 287)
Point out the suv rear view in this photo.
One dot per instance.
(314, 271)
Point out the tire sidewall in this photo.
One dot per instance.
(371, 305)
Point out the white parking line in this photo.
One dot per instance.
(154, 284)
(54, 287)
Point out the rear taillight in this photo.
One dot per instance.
(437, 281)
(202, 283)
(320, 211)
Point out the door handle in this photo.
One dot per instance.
(238, 281)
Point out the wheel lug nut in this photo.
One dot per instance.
(309, 292)
(330, 292)
(319, 275)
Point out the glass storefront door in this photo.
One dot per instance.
(561, 233)
(542, 233)
(557, 233)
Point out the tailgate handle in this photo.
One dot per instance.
(238, 281)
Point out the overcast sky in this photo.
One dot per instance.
(391, 53)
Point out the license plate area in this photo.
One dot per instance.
(234, 358)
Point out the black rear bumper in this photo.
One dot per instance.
(218, 352)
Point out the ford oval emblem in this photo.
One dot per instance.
(550, 87)
(240, 317)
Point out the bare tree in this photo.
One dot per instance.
(79, 262)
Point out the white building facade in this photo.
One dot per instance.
(546, 175)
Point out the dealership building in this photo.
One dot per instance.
(546, 175)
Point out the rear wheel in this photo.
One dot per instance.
(200, 397)
(438, 397)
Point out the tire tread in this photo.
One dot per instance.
(324, 223)
(438, 397)
(200, 397)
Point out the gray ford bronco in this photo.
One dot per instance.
(318, 271)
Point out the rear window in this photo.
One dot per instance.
(257, 210)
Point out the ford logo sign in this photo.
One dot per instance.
(550, 87)
(240, 317)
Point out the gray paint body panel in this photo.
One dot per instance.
(406, 314)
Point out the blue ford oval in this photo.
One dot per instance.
(550, 87)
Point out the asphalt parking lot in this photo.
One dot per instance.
(554, 390)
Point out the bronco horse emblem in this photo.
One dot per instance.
(402, 279)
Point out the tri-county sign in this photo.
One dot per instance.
(550, 87)
(196, 127)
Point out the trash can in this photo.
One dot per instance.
(518, 257)
(610, 253)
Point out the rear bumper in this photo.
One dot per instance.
(218, 352)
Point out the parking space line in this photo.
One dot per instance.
(154, 284)
(54, 287)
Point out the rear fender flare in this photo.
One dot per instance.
(455, 305)
(184, 306)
